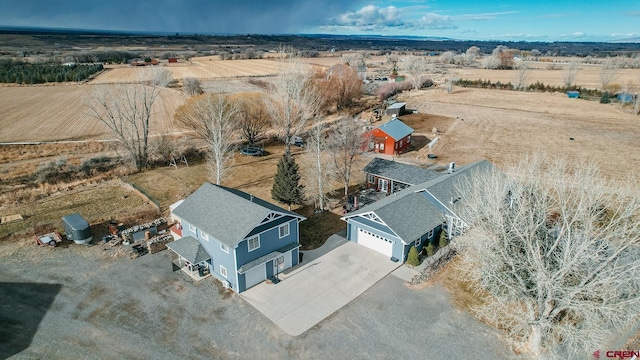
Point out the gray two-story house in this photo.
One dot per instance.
(241, 239)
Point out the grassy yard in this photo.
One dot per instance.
(318, 227)
(98, 203)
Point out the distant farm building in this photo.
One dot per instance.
(624, 97)
(397, 109)
(144, 63)
(573, 94)
(173, 60)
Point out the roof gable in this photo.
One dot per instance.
(409, 213)
(226, 214)
(398, 171)
(396, 129)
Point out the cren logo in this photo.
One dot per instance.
(622, 354)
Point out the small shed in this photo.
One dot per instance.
(396, 109)
(573, 94)
(624, 97)
(173, 60)
(76, 228)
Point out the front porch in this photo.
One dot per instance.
(191, 257)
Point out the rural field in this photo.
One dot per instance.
(501, 126)
(59, 113)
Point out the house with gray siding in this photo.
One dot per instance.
(413, 216)
(241, 239)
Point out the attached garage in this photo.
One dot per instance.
(255, 276)
(375, 242)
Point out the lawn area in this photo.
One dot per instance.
(318, 227)
(97, 203)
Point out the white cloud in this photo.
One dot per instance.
(372, 17)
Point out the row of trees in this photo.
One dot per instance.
(26, 73)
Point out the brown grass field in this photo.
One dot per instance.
(502, 126)
(56, 113)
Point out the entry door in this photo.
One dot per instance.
(384, 185)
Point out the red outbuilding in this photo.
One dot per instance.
(393, 137)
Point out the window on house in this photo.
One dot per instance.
(409, 139)
(192, 228)
(430, 235)
(224, 248)
(284, 230)
(370, 179)
(204, 235)
(223, 271)
(381, 146)
(254, 243)
(418, 242)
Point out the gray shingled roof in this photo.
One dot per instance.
(227, 214)
(189, 248)
(397, 171)
(397, 105)
(396, 129)
(410, 214)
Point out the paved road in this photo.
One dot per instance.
(73, 303)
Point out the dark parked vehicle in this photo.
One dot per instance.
(298, 141)
(252, 151)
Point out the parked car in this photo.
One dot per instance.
(252, 151)
(298, 141)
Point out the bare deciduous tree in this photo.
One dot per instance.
(253, 117)
(415, 66)
(393, 59)
(160, 76)
(571, 71)
(126, 110)
(608, 71)
(346, 143)
(449, 83)
(555, 247)
(490, 62)
(191, 86)
(471, 54)
(522, 68)
(293, 100)
(317, 165)
(213, 118)
(447, 57)
(338, 88)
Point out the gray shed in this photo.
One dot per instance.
(398, 109)
(76, 228)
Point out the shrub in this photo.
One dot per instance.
(412, 258)
(442, 242)
(386, 91)
(430, 249)
(605, 98)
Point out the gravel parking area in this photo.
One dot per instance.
(75, 303)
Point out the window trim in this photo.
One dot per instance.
(371, 178)
(257, 237)
(430, 234)
(280, 230)
(193, 228)
(204, 235)
(418, 242)
(224, 247)
(223, 271)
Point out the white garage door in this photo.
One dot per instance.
(375, 242)
(255, 276)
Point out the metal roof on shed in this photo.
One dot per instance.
(75, 221)
(396, 129)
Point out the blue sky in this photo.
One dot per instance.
(559, 20)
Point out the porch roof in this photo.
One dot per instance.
(270, 256)
(190, 249)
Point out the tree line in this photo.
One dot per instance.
(25, 73)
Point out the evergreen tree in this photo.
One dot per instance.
(412, 258)
(286, 183)
(443, 239)
(605, 98)
(430, 249)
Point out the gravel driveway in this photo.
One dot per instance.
(75, 303)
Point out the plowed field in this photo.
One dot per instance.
(54, 113)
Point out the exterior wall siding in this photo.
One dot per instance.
(218, 257)
(269, 241)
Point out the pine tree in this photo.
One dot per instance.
(442, 242)
(412, 258)
(430, 249)
(286, 183)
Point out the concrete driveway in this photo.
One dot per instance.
(319, 286)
